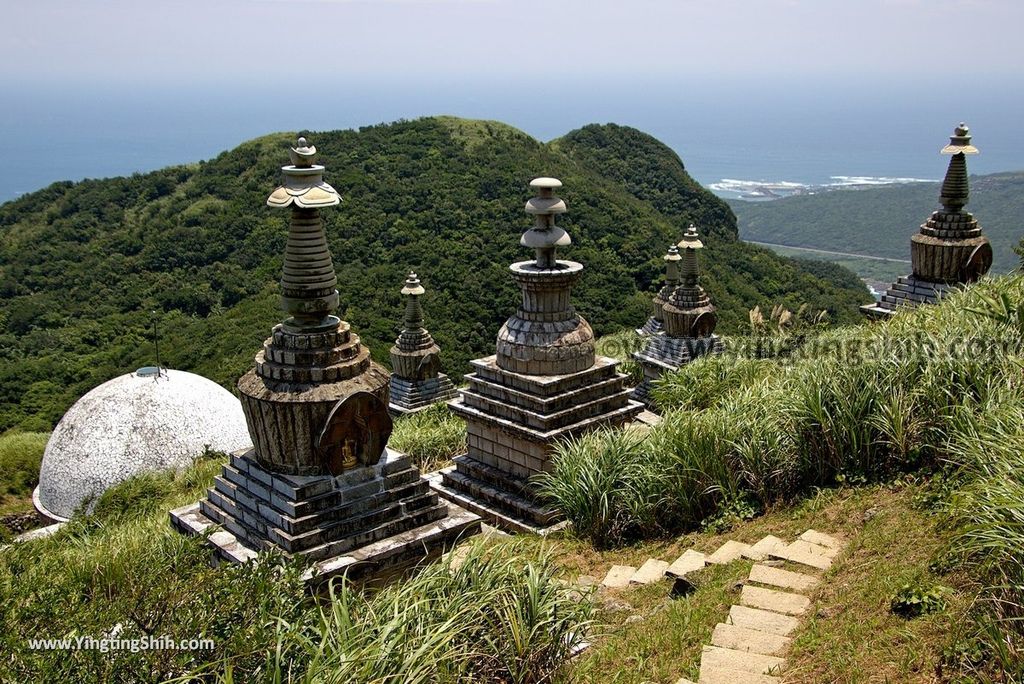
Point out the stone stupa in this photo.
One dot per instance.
(320, 481)
(949, 250)
(416, 380)
(544, 384)
(689, 321)
(655, 324)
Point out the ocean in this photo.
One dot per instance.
(735, 136)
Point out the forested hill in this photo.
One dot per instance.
(880, 221)
(83, 265)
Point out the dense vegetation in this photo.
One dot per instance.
(937, 389)
(497, 616)
(83, 265)
(880, 221)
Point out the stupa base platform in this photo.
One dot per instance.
(512, 422)
(907, 291)
(413, 396)
(496, 505)
(366, 519)
(664, 354)
(380, 559)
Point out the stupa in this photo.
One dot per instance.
(689, 321)
(949, 250)
(545, 383)
(655, 323)
(320, 481)
(416, 381)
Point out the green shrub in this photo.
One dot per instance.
(913, 601)
(21, 453)
(431, 437)
(496, 617)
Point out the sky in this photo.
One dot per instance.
(292, 45)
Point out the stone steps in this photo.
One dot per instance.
(750, 645)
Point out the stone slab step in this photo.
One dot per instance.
(786, 579)
(761, 549)
(690, 561)
(725, 675)
(684, 680)
(728, 552)
(797, 552)
(715, 657)
(752, 640)
(653, 570)
(809, 547)
(822, 539)
(762, 620)
(776, 601)
(618, 576)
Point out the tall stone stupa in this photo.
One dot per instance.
(545, 383)
(689, 320)
(416, 379)
(320, 481)
(949, 250)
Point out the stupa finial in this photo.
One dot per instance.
(672, 259)
(955, 190)
(303, 154)
(690, 244)
(545, 236)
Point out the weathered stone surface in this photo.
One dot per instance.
(778, 577)
(821, 539)
(797, 552)
(152, 419)
(714, 657)
(684, 680)
(771, 599)
(690, 561)
(722, 675)
(544, 384)
(752, 640)
(728, 552)
(763, 620)
(653, 570)
(949, 249)
(802, 546)
(762, 548)
(618, 576)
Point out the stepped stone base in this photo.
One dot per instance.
(363, 520)
(652, 327)
(907, 291)
(410, 396)
(664, 354)
(513, 421)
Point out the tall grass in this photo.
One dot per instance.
(855, 404)
(431, 437)
(497, 617)
(20, 456)
(501, 616)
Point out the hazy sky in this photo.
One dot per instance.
(291, 45)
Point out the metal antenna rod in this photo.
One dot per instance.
(156, 341)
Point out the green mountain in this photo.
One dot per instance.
(879, 221)
(87, 268)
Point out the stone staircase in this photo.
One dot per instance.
(750, 646)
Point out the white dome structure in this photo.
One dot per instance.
(152, 419)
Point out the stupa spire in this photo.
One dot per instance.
(955, 190)
(545, 237)
(655, 323)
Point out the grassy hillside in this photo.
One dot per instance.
(83, 265)
(880, 221)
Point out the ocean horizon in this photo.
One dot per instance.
(731, 136)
